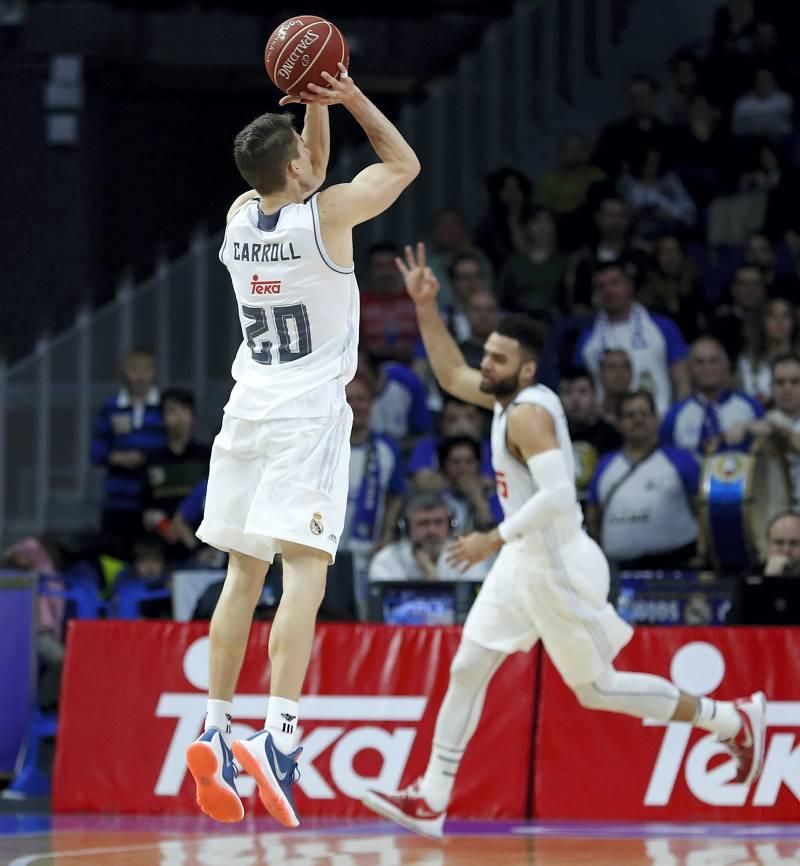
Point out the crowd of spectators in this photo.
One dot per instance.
(664, 258)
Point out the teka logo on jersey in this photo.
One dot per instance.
(264, 287)
(698, 668)
(189, 709)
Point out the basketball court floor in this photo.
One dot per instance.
(96, 841)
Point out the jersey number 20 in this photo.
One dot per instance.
(291, 326)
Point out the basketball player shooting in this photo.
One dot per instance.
(550, 580)
(279, 465)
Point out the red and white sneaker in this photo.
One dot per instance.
(747, 747)
(407, 808)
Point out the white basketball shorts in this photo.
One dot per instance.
(278, 480)
(557, 594)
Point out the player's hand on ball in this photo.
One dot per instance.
(421, 282)
(339, 91)
(466, 550)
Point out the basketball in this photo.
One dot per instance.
(301, 49)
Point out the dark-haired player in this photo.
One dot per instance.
(550, 580)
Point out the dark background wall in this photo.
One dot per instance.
(164, 91)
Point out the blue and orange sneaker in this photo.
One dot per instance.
(274, 772)
(210, 761)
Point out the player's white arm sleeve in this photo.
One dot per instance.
(556, 495)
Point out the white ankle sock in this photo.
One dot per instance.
(219, 715)
(282, 722)
(440, 776)
(719, 717)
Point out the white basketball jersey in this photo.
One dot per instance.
(515, 484)
(299, 314)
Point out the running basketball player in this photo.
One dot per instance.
(549, 581)
(279, 465)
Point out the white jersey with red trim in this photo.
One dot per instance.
(299, 313)
(515, 484)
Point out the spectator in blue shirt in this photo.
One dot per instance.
(472, 501)
(458, 419)
(654, 344)
(715, 417)
(400, 409)
(641, 499)
(376, 488)
(127, 430)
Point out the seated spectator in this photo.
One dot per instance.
(759, 251)
(472, 502)
(641, 500)
(400, 408)
(458, 419)
(613, 222)
(714, 418)
(767, 338)
(376, 487)
(592, 437)
(450, 239)
(127, 430)
(149, 569)
(482, 315)
(531, 278)
(422, 555)
(389, 328)
(172, 472)
(466, 278)
(782, 422)
(498, 233)
(745, 302)
(39, 556)
(653, 343)
(783, 554)
(700, 151)
(625, 142)
(184, 525)
(657, 197)
(564, 190)
(672, 287)
(616, 382)
(683, 87)
(765, 110)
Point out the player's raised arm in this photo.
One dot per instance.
(377, 187)
(317, 137)
(449, 367)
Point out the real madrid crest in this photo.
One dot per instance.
(316, 524)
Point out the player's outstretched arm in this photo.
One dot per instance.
(449, 367)
(377, 187)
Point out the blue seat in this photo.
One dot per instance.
(83, 602)
(128, 597)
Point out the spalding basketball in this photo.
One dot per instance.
(301, 49)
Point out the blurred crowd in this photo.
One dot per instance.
(662, 253)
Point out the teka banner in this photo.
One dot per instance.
(134, 697)
(596, 765)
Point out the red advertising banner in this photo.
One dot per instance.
(596, 765)
(134, 696)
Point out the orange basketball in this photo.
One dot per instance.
(301, 49)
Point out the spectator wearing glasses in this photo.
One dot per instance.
(641, 499)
